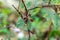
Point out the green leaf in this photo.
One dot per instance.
(5, 22)
(29, 5)
(55, 19)
(59, 23)
(35, 11)
(1, 3)
(29, 25)
(35, 23)
(21, 6)
(6, 11)
(4, 30)
(1, 25)
(47, 12)
(52, 38)
(44, 25)
(33, 37)
(56, 2)
(54, 33)
(20, 23)
(50, 14)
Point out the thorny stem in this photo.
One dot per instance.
(26, 18)
(18, 11)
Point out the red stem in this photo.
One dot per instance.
(26, 18)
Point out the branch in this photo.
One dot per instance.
(25, 8)
(26, 18)
(43, 7)
(33, 8)
(18, 11)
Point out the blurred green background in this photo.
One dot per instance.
(43, 17)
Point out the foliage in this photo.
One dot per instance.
(39, 19)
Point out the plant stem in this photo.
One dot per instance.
(44, 6)
(26, 11)
(26, 18)
(18, 11)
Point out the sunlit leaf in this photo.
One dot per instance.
(45, 25)
(35, 11)
(6, 11)
(4, 30)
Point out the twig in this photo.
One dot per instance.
(26, 18)
(25, 8)
(18, 11)
(43, 7)
(33, 8)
